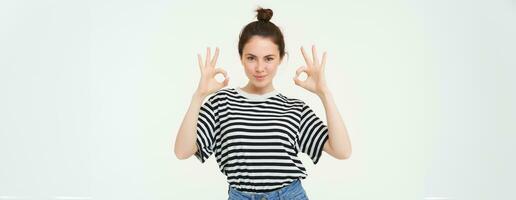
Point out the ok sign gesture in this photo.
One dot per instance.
(316, 81)
(208, 84)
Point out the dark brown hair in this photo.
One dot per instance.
(262, 27)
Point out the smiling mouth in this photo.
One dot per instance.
(260, 77)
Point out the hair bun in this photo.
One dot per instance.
(264, 14)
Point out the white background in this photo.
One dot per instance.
(93, 93)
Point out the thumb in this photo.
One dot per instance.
(226, 81)
(297, 81)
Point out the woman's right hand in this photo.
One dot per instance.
(208, 84)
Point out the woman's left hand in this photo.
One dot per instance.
(316, 81)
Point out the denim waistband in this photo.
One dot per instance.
(272, 194)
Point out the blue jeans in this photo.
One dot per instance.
(293, 191)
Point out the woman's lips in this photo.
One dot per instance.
(260, 77)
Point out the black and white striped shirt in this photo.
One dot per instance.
(256, 138)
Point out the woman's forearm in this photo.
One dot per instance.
(338, 135)
(185, 145)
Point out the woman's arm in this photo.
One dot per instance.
(338, 144)
(185, 145)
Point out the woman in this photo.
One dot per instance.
(255, 131)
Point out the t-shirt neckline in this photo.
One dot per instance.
(256, 97)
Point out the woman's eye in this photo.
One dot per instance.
(249, 58)
(270, 59)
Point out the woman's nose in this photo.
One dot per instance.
(260, 67)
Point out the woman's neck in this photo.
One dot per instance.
(249, 88)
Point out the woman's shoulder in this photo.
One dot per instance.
(232, 92)
(291, 100)
(222, 93)
(225, 90)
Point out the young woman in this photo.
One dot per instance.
(255, 131)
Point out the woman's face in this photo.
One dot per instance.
(260, 58)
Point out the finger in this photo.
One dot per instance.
(226, 77)
(323, 62)
(314, 55)
(199, 60)
(307, 60)
(214, 61)
(208, 56)
(298, 82)
(226, 81)
(221, 71)
(300, 70)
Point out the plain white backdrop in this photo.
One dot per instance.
(93, 92)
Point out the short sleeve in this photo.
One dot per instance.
(207, 128)
(313, 133)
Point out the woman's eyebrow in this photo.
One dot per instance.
(264, 56)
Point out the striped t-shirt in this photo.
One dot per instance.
(256, 138)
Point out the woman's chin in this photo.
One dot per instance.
(260, 84)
